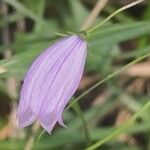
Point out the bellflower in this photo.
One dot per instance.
(51, 81)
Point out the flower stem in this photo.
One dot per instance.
(112, 15)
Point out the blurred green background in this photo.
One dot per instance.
(27, 27)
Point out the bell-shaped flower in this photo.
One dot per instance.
(51, 81)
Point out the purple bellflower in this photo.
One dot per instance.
(51, 81)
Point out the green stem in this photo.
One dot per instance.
(78, 110)
(107, 78)
(111, 16)
(121, 129)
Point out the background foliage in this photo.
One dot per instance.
(27, 27)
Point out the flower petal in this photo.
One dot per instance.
(33, 74)
(46, 78)
(65, 82)
(26, 118)
(29, 78)
(72, 84)
(51, 82)
(48, 121)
